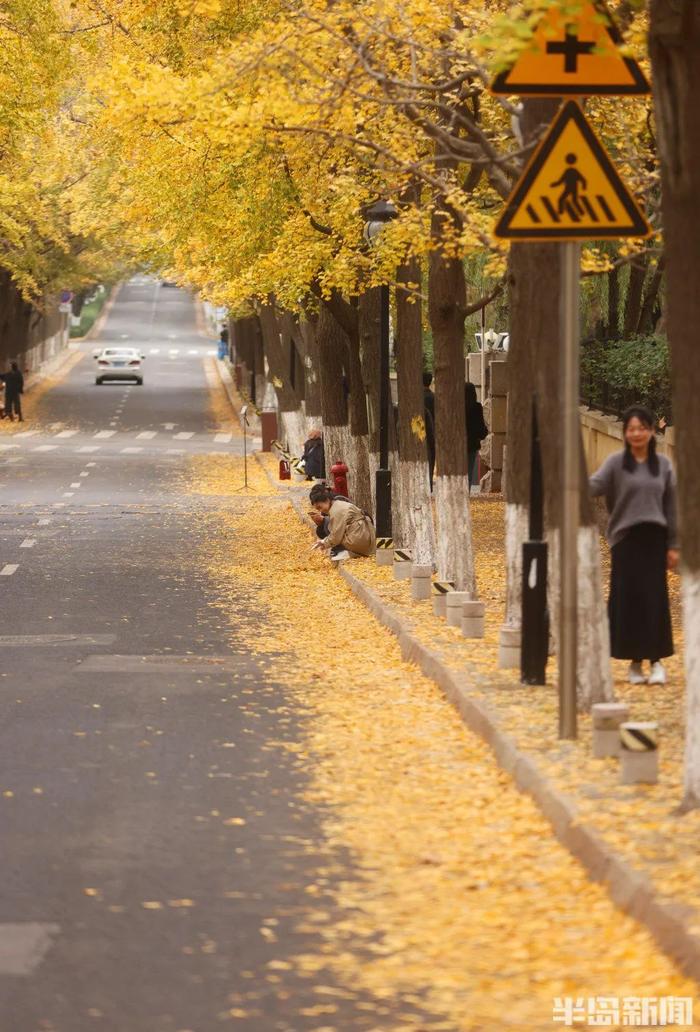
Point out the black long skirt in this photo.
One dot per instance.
(640, 618)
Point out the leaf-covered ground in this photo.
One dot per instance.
(464, 904)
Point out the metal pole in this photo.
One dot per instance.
(383, 477)
(568, 564)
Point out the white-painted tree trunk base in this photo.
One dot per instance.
(691, 626)
(359, 471)
(293, 427)
(455, 550)
(594, 676)
(516, 530)
(337, 442)
(417, 512)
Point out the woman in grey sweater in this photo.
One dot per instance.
(640, 493)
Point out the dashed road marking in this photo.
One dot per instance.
(43, 522)
(223, 438)
(6, 447)
(84, 474)
(8, 570)
(67, 433)
(184, 435)
(27, 433)
(175, 451)
(89, 465)
(146, 435)
(76, 484)
(46, 447)
(105, 433)
(131, 451)
(87, 448)
(28, 543)
(68, 494)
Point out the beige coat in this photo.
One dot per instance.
(350, 528)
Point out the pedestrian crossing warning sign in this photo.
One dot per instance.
(574, 55)
(570, 190)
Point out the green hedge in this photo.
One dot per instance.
(89, 312)
(617, 374)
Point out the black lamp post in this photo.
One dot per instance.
(377, 215)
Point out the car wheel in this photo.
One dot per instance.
(139, 383)
(98, 382)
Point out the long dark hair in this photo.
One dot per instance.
(644, 416)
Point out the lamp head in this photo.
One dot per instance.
(377, 215)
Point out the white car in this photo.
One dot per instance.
(119, 363)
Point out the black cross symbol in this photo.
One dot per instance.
(570, 48)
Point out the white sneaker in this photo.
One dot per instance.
(658, 674)
(635, 674)
(339, 556)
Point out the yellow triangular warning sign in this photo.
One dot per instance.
(574, 55)
(570, 190)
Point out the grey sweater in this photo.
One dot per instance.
(636, 497)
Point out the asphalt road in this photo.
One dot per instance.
(129, 731)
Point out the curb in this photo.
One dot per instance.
(668, 922)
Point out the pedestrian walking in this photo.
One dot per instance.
(639, 487)
(477, 429)
(14, 388)
(350, 530)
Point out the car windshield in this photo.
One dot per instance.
(119, 353)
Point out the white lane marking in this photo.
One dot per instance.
(44, 522)
(131, 451)
(68, 494)
(146, 435)
(8, 570)
(6, 447)
(89, 448)
(124, 336)
(59, 505)
(84, 474)
(184, 435)
(105, 433)
(26, 433)
(76, 484)
(67, 433)
(154, 351)
(211, 352)
(89, 465)
(223, 438)
(46, 447)
(15, 458)
(172, 336)
(28, 543)
(168, 426)
(24, 946)
(192, 351)
(175, 451)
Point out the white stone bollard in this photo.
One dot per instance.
(420, 581)
(384, 554)
(509, 648)
(473, 619)
(454, 603)
(402, 564)
(440, 591)
(607, 717)
(639, 753)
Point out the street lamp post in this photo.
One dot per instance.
(377, 215)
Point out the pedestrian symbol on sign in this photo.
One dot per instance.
(571, 179)
(570, 190)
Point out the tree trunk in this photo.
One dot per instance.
(307, 329)
(446, 304)
(675, 55)
(368, 315)
(646, 316)
(633, 300)
(613, 330)
(332, 344)
(359, 427)
(413, 481)
(291, 417)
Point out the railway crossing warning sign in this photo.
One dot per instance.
(570, 190)
(573, 56)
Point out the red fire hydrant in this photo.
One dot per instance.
(340, 481)
(285, 472)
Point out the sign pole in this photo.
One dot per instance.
(568, 556)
